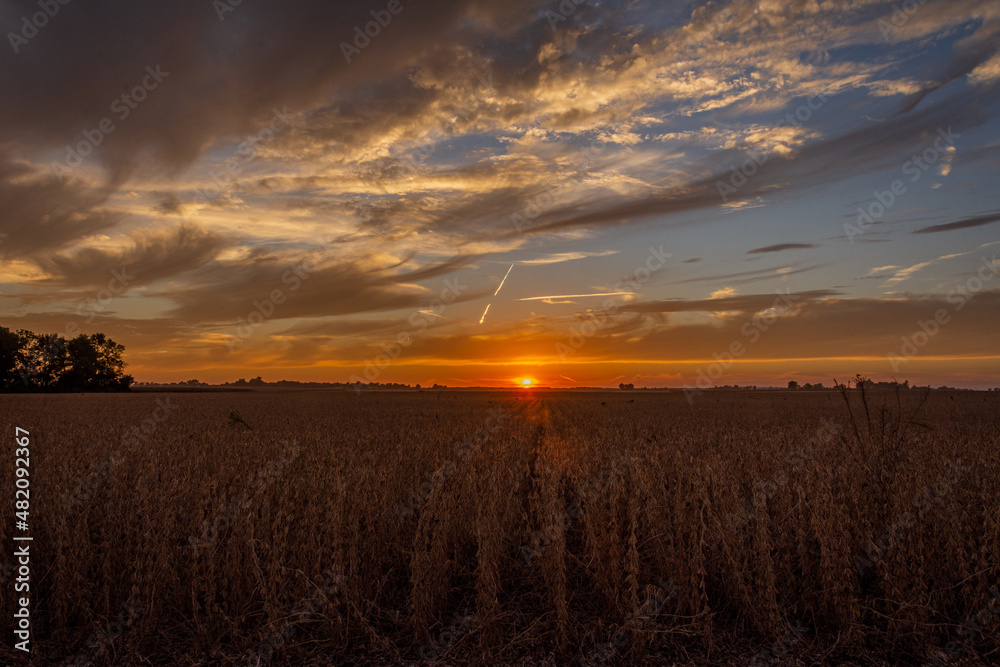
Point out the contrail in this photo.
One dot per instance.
(504, 280)
(572, 296)
(483, 318)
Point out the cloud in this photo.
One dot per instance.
(724, 292)
(87, 55)
(813, 329)
(152, 256)
(857, 151)
(965, 223)
(311, 286)
(566, 257)
(746, 277)
(908, 272)
(880, 272)
(987, 73)
(549, 299)
(742, 303)
(41, 214)
(781, 247)
(169, 204)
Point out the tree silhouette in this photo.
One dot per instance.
(95, 364)
(42, 359)
(10, 346)
(47, 362)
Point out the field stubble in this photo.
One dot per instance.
(498, 527)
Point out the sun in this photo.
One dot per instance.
(526, 382)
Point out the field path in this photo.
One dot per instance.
(552, 444)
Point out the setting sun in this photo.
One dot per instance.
(526, 382)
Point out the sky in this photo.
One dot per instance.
(475, 193)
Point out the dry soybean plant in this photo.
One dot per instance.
(579, 528)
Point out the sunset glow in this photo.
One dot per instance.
(642, 193)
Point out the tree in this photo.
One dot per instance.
(862, 382)
(42, 359)
(10, 345)
(792, 384)
(95, 364)
(47, 362)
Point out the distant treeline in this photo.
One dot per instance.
(294, 384)
(49, 362)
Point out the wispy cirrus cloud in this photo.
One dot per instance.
(558, 258)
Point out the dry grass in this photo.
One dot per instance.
(605, 528)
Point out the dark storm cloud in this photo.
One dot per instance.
(152, 256)
(781, 247)
(222, 76)
(965, 223)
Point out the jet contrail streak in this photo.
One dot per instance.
(503, 281)
(483, 318)
(572, 296)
